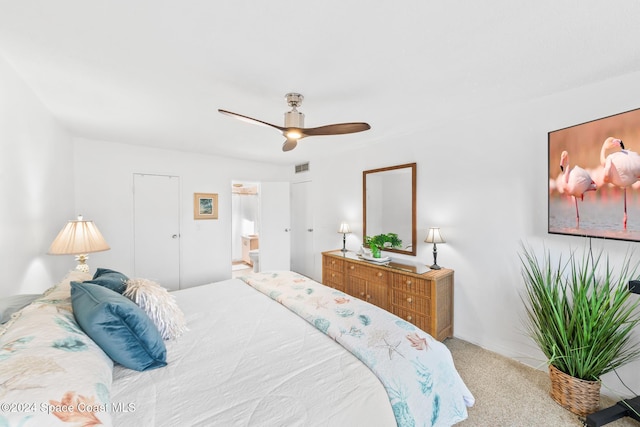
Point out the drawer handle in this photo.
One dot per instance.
(353, 267)
(333, 263)
(333, 274)
(409, 300)
(362, 294)
(409, 318)
(379, 274)
(408, 282)
(368, 297)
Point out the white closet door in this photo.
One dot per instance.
(156, 226)
(275, 228)
(302, 255)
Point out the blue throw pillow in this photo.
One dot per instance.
(111, 279)
(121, 328)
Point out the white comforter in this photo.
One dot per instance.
(248, 361)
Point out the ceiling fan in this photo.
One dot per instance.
(294, 129)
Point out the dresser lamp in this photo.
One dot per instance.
(344, 230)
(434, 237)
(79, 237)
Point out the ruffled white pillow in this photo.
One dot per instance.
(159, 305)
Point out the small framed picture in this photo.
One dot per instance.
(205, 206)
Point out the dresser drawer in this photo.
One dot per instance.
(334, 279)
(410, 284)
(332, 263)
(370, 273)
(419, 320)
(410, 301)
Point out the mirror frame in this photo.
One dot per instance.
(413, 167)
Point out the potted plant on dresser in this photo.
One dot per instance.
(580, 315)
(379, 242)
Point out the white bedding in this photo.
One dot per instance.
(249, 362)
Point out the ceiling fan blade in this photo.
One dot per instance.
(249, 119)
(336, 129)
(289, 144)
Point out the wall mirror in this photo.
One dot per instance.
(389, 204)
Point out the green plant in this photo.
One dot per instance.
(376, 243)
(579, 312)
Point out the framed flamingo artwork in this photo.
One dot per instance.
(594, 178)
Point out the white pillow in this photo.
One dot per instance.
(159, 305)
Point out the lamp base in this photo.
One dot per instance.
(435, 265)
(82, 263)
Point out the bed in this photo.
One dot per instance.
(269, 349)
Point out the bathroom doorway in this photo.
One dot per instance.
(245, 226)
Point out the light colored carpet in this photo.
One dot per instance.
(511, 394)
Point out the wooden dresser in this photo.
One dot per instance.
(411, 291)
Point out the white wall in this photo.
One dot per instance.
(36, 185)
(483, 179)
(104, 185)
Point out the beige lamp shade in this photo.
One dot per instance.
(79, 237)
(434, 236)
(344, 228)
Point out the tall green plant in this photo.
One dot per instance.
(579, 312)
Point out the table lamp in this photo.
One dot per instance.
(344, 229)
(79, 237)
(434, 237)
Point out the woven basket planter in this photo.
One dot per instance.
(578, 396)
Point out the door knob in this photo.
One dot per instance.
(286, 230)
(175, 236)
(310, 230)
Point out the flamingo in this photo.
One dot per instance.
(621, 168)
(575, 182)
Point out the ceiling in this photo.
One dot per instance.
(154, 72)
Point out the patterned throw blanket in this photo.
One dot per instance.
(417, 371)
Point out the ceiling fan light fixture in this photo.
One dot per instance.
(293, 134)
